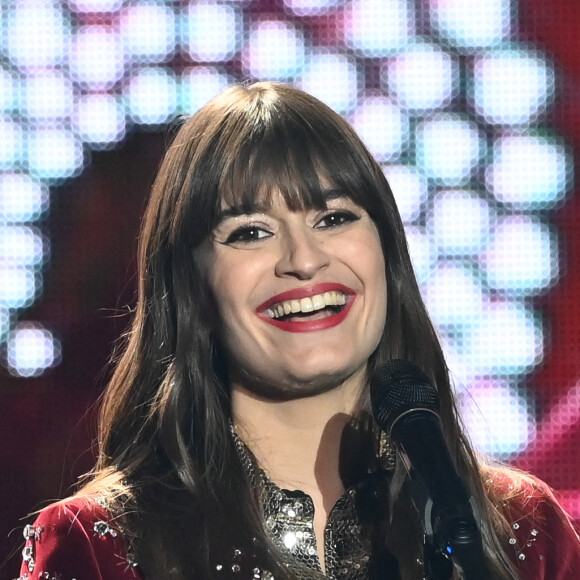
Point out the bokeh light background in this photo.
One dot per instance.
(469, 107)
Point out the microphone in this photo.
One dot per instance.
(406, 406)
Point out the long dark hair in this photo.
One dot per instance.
(166, 454)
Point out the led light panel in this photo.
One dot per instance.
(455, 108)
(275, 51)
(212, 31)
(147, 32)
(31, 350)
(382, 125)
(422, 79)
(333, 78)
(448, 149)
(378, 28)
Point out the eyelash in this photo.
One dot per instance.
(341, 216)
(251, 233)
(247, 234)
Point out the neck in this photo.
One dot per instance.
(297, 442)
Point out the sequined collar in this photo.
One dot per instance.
(350, 553)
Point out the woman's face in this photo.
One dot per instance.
(301, 295)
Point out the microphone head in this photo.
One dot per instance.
(398, 387)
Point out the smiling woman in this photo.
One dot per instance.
(271, 292)
(236, 437)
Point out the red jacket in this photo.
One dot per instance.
(79, 540)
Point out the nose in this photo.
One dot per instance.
(302, 255)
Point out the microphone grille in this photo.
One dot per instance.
(397, 387)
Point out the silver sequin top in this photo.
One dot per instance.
(350, 533)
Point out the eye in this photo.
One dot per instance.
(247, 234)
(336, 218)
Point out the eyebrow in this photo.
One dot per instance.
(238, 210)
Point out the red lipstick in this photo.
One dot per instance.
(308, 292)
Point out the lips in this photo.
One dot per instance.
(329, 302)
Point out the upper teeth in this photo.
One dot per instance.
(317, 302)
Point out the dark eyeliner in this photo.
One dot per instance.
(243, 235)
(345, 216)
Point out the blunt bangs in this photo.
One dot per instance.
(273, 140)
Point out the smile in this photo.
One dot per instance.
(306, 305)
(308, 309)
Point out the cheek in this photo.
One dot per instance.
(232, 284)
(365, 255)
(372, 271)
(224, 299)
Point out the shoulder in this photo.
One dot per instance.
(543, 538)
(78, 538)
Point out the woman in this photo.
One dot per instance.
(235, 436)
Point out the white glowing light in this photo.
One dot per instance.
(22, 198)
(333, 78)
(472, 24)
(97, 59)
(454, 295)
(48, 96)
(31, 350)
(512, 86)
(529, 172)
(378, 28)
(522, 255)
(37, 34)
(421, 79)
(422, 252)
(459, 223)
(409, 188)
(21, 246)
(54, 153)
(148, 32)
(152, 96)
(275, 50)
(499, 417)
(448, 149)
(199, 85)
(19, 285)
(290, 540)
(382, 126)
(213, 31)
(507, 340)
(8, 91)
(11, 148)
(99, 119)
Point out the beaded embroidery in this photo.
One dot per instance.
(31, 534)
(34, 534)
(520, 548)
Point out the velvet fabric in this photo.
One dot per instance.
(76, 539)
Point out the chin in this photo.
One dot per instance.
(293, 391)
(304, 383)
